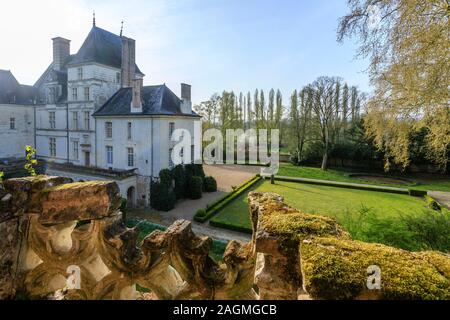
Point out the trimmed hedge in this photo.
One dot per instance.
(347, 185)
(417, 193)
(210, 184)
(162, 197)
(225, 200)
(180, 181)
(230, 226)
(195, 187)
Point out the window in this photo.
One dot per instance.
(108, 129)
(171, 129)
(87, 120)
(170, 158)
(52, 147)
(74, 94)
(52, 95)
(75, 150)
(192, 153)
(52, 119)
(118, 77)
(86, 93)
(130, 152)
(75, 120)
(129, 131)
(109, 155)
(12, 123)
(80, 73)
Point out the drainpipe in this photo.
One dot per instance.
(95, 140)
(67, 129)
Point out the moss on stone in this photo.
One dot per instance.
(337, 269)
(281, 220)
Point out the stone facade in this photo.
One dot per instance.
(292, 255)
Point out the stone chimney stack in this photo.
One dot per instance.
(186, 104)
(61, 50)
(128, 61)
(136, 101)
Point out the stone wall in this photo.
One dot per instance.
(53, 230)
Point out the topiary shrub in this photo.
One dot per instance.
(195, 187)
(165, 176)
(162, 197)
(417, 193)
(198, 171)
(201, 213)
(178, 175)
(210, 184)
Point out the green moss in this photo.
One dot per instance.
(337, 269)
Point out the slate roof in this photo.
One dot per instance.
(12, 92)
(156, 100)
(100, 46)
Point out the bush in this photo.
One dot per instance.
(162, 197)
(430, 229)
(417, 193)
(124, 208)
(210, 184)
(178, 175)
(198, 171)
(195, 187)
(201, 213)
(165, 176)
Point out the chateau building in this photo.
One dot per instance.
(90, 117)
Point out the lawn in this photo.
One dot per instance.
(367, 215)
(422, 182)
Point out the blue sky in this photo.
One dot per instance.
(214, 45)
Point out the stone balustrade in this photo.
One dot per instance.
(50, 226)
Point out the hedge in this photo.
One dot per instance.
(417, 193)
(195, 187)
(230, 226)
(225, 200)
(348, 185)
(210, 184)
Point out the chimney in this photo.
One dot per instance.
(61, 50)
(186, 104)
(136, 100)
(128, 61)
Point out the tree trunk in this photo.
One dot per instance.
(325, 160)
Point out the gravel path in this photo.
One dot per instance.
(226, 176)
(441, 197)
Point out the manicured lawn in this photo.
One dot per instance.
(422, 182)
(367, 215)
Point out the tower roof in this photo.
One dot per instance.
(100, 46)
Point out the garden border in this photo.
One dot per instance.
(349, 185)
(219, 204)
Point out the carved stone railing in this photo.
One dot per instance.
(50, 226)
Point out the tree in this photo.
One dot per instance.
(279, 112)
(271, 109)
(324, 106)
(249, 110)
(407, 42)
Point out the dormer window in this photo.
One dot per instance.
(52, 95)
(117, 77)
(80, 73)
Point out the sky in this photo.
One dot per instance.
(214, 45)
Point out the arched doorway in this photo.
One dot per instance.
(131, 196)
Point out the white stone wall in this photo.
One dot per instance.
(13, 142)
(124, 184)
(143, 128)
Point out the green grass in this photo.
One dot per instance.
(368, 216)
(421, 182)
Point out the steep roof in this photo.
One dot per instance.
(12, 92)
(156, 100)
(100, 46)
